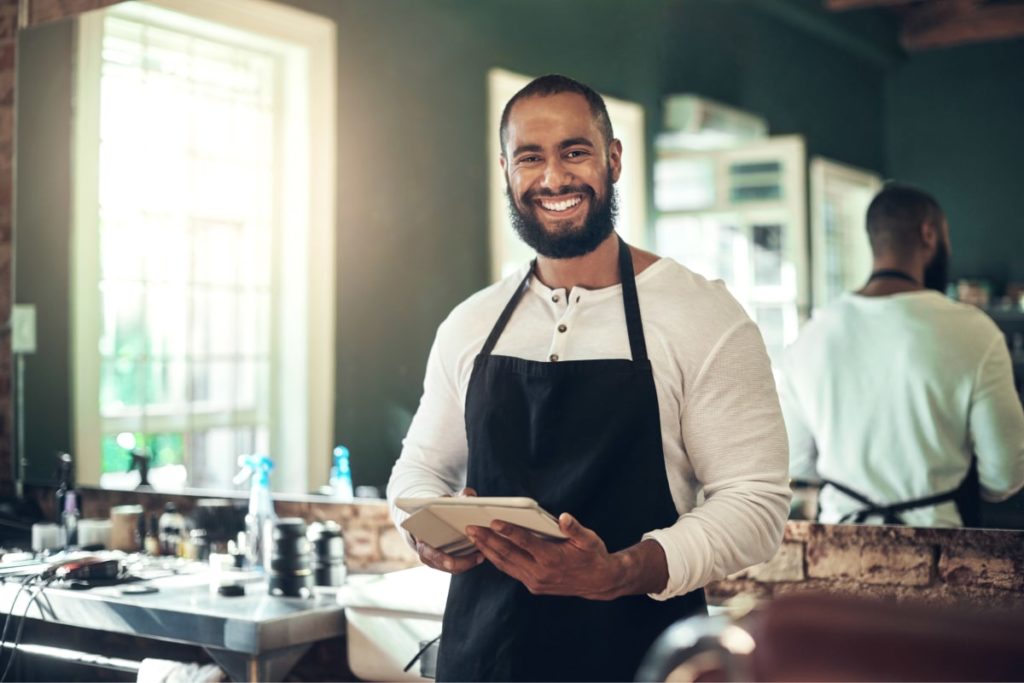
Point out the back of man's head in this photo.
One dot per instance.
(555, 84)
(895, 217)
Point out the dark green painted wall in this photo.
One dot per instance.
(955, 121)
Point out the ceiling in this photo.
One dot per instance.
(931, 24)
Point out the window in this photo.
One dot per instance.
(203, 311)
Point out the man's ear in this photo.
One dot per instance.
(930, 235)
(504, 165)
(615, 159)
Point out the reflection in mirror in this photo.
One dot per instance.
(189, 212)
(852, 115)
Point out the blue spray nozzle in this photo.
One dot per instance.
(340, 455)
(255, 465)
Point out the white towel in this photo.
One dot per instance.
(168, 671)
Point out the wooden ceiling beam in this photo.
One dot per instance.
(846, 5)
(945, 24)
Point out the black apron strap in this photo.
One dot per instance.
(506, 314)
(893, 273)
(965, 495)
(634, 325)
(631, 303)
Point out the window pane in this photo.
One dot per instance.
(214, 323)
(214, 457)
(167, 321)
(123, 320)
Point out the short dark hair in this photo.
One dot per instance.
(554, 84)
(895, 217)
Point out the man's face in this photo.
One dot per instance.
(560, 174)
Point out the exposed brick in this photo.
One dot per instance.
(798, 531)
(361, 544)
(968, 567)
(394, 548)
(49, 10)
(290, 508)
(8, 19)
(905, 565)
(787, 565)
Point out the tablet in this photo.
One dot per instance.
(441, 522)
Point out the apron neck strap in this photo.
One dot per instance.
(893, 273)
(637, 345)
(506, 314)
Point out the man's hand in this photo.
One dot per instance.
(580, 566)
(434, 558)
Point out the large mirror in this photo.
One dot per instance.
(276, 210)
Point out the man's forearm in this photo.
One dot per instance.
(642, 569)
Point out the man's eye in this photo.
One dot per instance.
(529, 159)
(576, 154)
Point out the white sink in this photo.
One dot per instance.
(388, 616)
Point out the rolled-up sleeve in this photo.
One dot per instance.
(735, 438)
(997, 425)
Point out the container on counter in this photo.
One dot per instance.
(290, 567)
(328, 553)
(123, 523)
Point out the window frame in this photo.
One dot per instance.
(303, 346)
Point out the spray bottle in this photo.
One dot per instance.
(341, 475)
(259, 521)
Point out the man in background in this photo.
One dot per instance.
(898, 400)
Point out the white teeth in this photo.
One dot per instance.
(563, 205)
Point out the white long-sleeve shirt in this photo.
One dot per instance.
(890, 395)
(721, 425)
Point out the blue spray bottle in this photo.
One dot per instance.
(259, 521)
(341, 476)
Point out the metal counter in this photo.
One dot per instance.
(255, 637)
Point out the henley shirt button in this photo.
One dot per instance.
(554, 357)
(555, 298)
(562, 328)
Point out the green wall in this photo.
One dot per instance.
(955, 121)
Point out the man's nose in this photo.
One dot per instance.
(556, 174)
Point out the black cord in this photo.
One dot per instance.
(411, 661)
(21, 628)
(7, 621)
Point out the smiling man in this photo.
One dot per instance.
(623, 392)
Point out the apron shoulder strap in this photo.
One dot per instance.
(631, 303)
(506, 314)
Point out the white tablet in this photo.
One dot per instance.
(441, 522)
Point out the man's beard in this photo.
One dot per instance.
(936, 273)
(565, 241)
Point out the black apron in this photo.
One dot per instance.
(966, 496)
(582, 437)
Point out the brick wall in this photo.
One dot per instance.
(372, 543)
(947, 566)
(981, 567)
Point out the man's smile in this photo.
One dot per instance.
(562, 205)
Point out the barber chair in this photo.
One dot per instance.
(812, 637)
